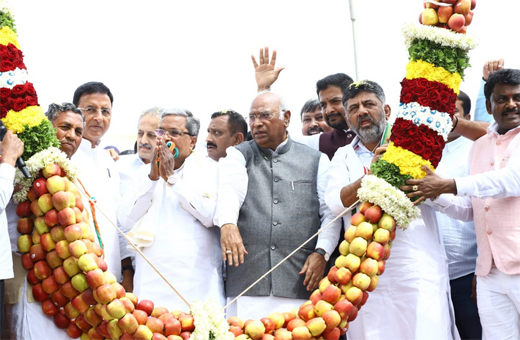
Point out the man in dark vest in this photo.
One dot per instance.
(330, 92)
(270, 202)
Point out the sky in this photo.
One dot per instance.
(197, 54)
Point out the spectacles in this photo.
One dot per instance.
(171, 133)
(261, 116)
(149, 134)
(93, 110)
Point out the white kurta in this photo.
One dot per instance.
(6, 190)
(128, 166)
(99, 175)
(412, 298)
(186, 248)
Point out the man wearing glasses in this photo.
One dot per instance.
(271, 197)
(171, 208)
(98, 170)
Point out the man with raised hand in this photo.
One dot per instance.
(271, 197)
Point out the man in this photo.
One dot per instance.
(98, 170)
(11, 147)
(146, 141)
(330, 92)
(411, 300)
(459, 237)
(226, 128)
(313, 122)
(490, 197)
(271, 197)
(172, 204)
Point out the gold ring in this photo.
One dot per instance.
(415, 188)
(228, 251)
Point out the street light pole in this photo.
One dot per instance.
(353, 19)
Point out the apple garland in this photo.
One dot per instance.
(64, 259)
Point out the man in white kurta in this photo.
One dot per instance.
(412, 299)
(172, 219)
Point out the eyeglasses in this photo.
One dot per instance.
(149, 134)
(93, 110)
(262, 116)
(171, 133)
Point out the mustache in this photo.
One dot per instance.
(211, 144)
(314, 128)
(363, 118)
(145, 145)
(510, 110)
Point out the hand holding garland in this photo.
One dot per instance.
(430, 186)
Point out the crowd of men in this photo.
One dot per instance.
(214, 221)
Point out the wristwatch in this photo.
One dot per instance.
(322, 253)
(171, 180)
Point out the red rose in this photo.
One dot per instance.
(424, 129)
(30, 89)
(5, 92)
(407, 144)
(3, 111)
(5, 102)
(407, 98)
(31, 100)
(417, 148)
(18, 104)
(427, 153)
(18, 91)
(6, 65)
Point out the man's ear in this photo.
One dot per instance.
(193, 142)
(467, 117)
(287, 118)
(388, 111)
(488, 107)
(239, 138)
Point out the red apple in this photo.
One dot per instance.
(42, 270)
(68, 290)
(57, 232)
(38, 293)
(79, 304)
(61, 320)
(73, 331)
(52, 169)
(45, 202)
(55, 184)
(50, 285)
(40, 186)
(92, 317)
(82, 323)
(23, 209)
(128, 323)
(88, 296)
(31, 195)
(146, 306)
(25, 225)
(59, 299)
(35, 208)
(445, 13)
(49, 308)
(62, 248)
(47, 243)
(141, 316)
(31, 277)
(66, 217)
(457, 22)
(187, 322)
(61, 200)
(27, 263)
(37, 253)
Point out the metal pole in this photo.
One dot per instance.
(353, 19)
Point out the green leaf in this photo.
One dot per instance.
(38, 138)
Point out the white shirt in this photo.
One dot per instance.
(414, 288)
(6, 190)
(186, 247)
(459, 237)
(99, 175)
(233, 182)
(127, 166)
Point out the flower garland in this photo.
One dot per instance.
(422, 69)
(451, 59)
(392, 200)
(439, 36)
(10, 58)
(433, 119)
(435, 95)
(39, 161)
(210, 322)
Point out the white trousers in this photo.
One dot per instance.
(498, 299)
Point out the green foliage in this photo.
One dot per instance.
(38, 138)
(454, 60)
(390, 173)
(6, 20)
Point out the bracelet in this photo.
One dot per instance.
(128, 267)
(456, 122)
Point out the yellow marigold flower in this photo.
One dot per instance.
(8, 36)
(31, 116)
(408, 162)
(422, 69)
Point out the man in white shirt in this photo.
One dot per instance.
(171, 210)
(99, 173)
(411, 300)
(11, 147)
(128, 165)
(271, 197)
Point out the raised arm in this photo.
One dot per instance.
(265, 72)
